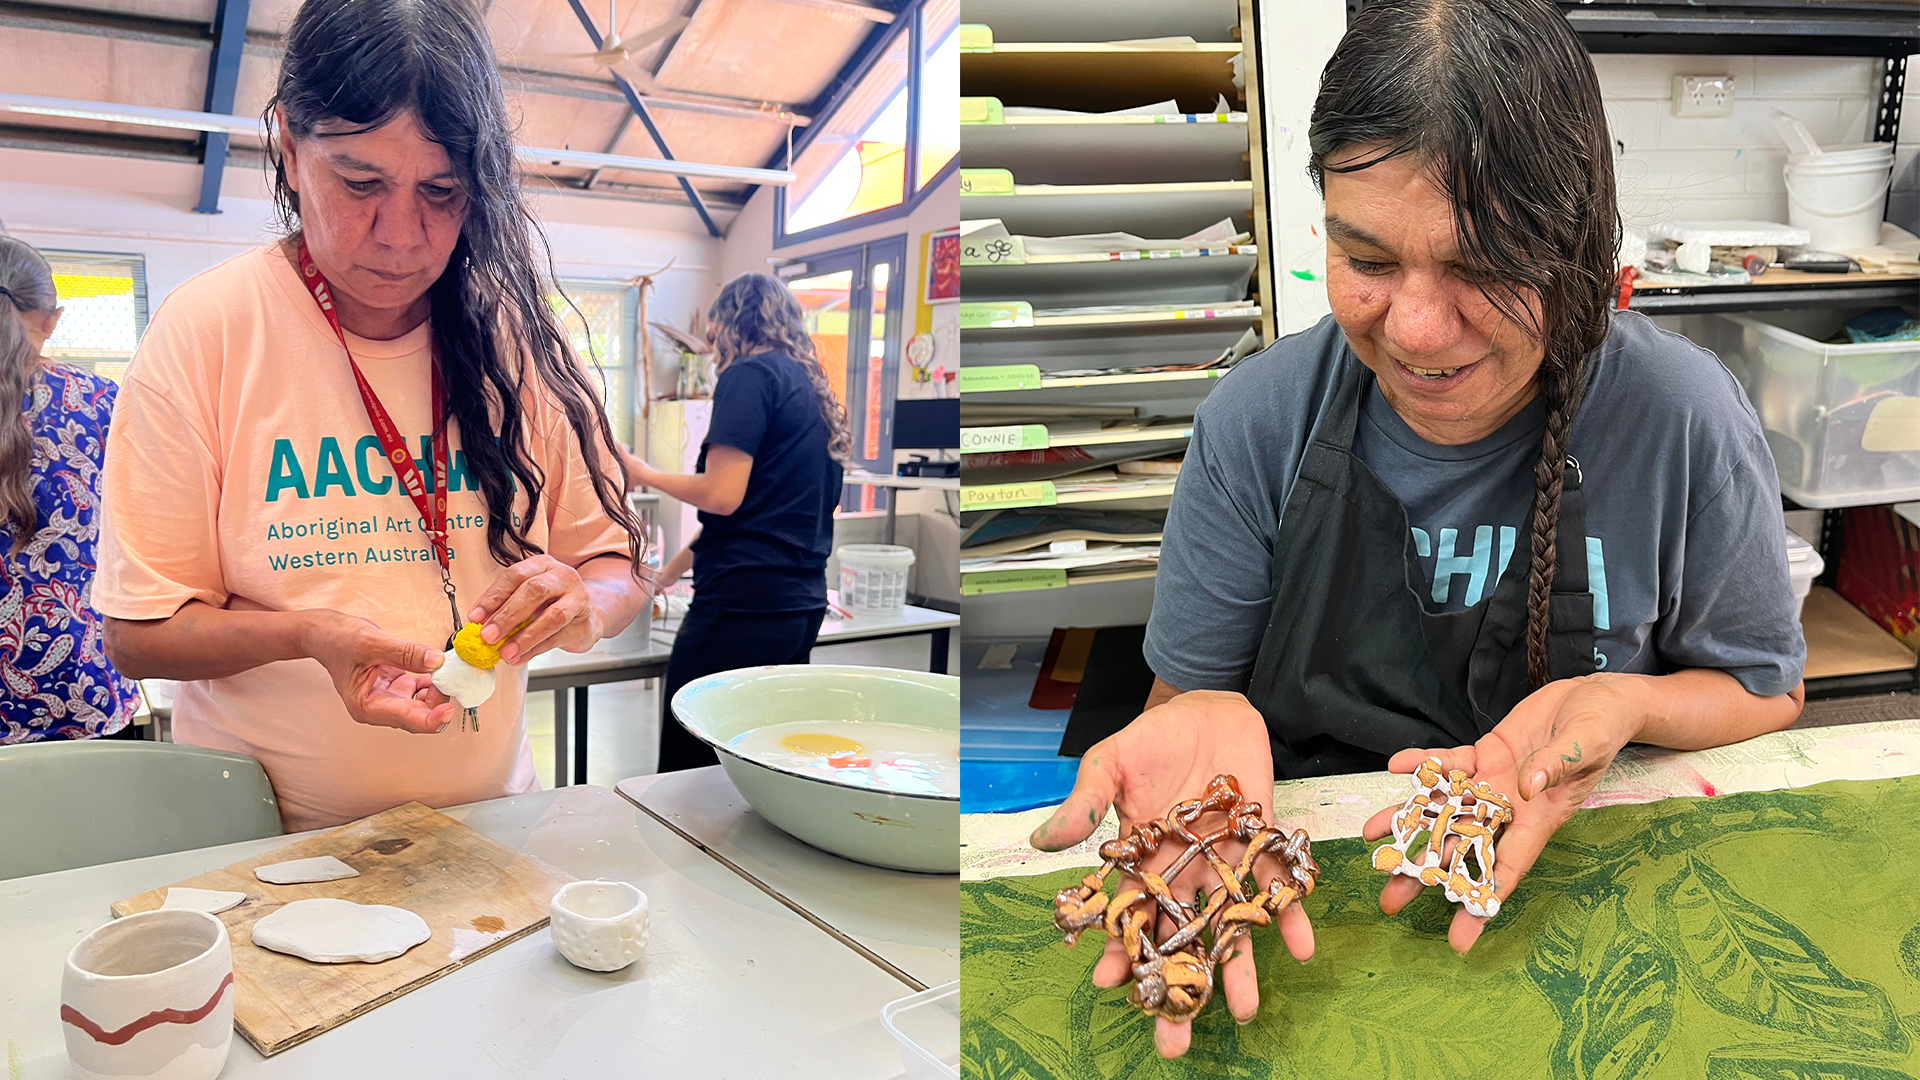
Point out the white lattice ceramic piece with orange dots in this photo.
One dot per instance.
(1448, 806)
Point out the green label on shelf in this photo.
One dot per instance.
(1003, 496)
(986, 182)
(974, 380)
(980, 110)
(993, 251)
(975, 38)
(996, 315)
(986, 440)
(999, 581)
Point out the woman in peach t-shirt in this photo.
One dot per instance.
(262, 546)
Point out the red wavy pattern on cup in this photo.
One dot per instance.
(153, 1019)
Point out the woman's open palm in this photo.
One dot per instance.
(1167, 756)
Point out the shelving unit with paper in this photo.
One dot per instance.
(1117, 280)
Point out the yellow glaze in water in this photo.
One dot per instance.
(823, 745)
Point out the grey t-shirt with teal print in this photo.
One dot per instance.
(1686, 551)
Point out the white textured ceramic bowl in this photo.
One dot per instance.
(150, 996)
(884, 828)
(600, 925)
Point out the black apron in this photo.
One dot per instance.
(1352, 667)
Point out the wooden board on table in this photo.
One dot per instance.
(1843, 640)
(475, 893)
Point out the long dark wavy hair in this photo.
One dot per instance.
(364, 62)
(26, 284)
(755, 313)
(1498, 101)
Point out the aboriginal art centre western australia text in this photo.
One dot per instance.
(327, 470)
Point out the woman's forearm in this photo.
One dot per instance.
(201, 641)
(1700, 708)
(675, 569)
(614, 592)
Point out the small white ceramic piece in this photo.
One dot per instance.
(211, 901)
(600, 925)
(329, 931)
(461, 681)
(1447, 805)
(150, 996)
(301, 871)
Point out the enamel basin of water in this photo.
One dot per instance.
(862, 762)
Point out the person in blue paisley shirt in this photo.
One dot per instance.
(55, 681)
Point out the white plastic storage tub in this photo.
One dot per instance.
(1843, 421)
(928, 1028)
(1803, 565)
(873, 578)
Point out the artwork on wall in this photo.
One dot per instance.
(943, 266)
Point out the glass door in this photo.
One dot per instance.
(852, 300)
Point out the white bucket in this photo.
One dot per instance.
(873, 578)
(1839, 197)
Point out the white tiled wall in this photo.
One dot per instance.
(1730, 167)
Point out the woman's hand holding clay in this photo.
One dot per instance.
(1551, 752)
(1166, 756)
(546, 595)
(384, 681)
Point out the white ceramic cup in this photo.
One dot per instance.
(600, 925)
(150, 996)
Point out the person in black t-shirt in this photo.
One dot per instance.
(767, 482)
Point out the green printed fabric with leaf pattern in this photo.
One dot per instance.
(1763, 936)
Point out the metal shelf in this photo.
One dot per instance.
(1076, 150)
(1756, 26)
(1150, 210)
(1758, 297)
(1204, 280)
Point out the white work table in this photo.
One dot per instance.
(635, 654)
(904, 922)
(734, 984)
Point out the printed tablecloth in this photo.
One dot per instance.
(1773, 932)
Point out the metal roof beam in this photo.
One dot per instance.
(640, 109)
(223, 79)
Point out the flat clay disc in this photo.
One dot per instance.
(208, 900)
(300, 871)
(330, 931)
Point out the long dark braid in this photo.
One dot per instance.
(1499, 101)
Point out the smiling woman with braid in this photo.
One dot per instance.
(1474, 513)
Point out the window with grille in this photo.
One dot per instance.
(103, 301)
(600, 325)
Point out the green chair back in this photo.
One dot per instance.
(83, 802)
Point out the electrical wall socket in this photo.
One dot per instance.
(1703, 95)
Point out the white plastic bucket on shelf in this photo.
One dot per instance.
(1839, 195)
(1803, 565)
(873, 578)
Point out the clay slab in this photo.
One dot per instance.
(330, 931)
(299, 871)
(211, 901)
(461, 681)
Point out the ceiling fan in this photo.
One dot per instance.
(616, 55)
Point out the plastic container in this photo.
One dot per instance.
(1803, 565)
(873, 578)
(1843, 421)
(1838, 197)
(928, 1028)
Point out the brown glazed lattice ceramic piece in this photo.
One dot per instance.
(1447, 806)
(1174, 978)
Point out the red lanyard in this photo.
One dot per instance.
(433, 511)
